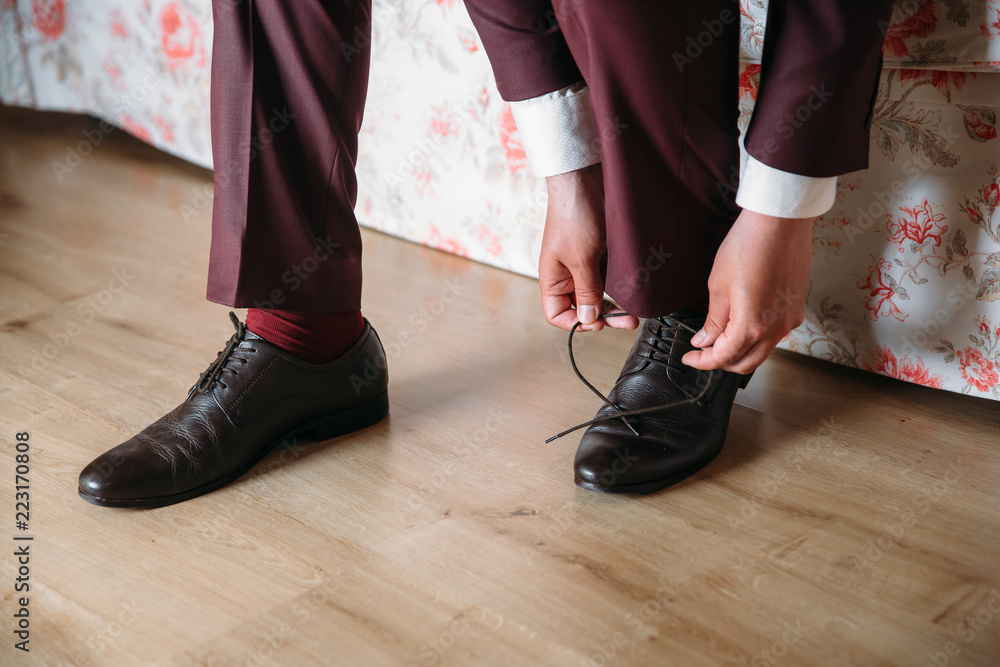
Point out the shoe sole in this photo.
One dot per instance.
(650, 486)
(342, 423)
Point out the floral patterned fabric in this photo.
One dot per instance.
(907, 263)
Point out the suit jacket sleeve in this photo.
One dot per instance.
(819, 76)
(537, 74)
(525, 46)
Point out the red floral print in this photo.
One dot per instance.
(991, 194)
(750, 80)
(920, 225)
(944, 81)
(881, 290)
(118, 27)
(977, 370)
(50, 17)
(166, 129)
(980, 123)
(921, 24)
(491, 243)
(443, 124)
(135, 129)
(991, 30)
(469, 42)
(904, 369)
(181, 36)
(435, 239)
(974, 214)
(510, 139)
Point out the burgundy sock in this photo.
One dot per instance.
(315, 338)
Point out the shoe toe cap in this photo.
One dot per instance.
(118, 476)
(606, 460)
(609, 461)
(97, 478)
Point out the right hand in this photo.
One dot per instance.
(574, 253)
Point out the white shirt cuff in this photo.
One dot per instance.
(558, 131)
(770, 191)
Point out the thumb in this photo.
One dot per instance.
(588, 293)
(715, 323)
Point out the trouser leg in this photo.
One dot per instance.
(289, 81)
(667, 113)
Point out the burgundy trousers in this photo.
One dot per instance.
(288, 91)
(289, 80)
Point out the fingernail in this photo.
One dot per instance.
(699, 338)
(587, 314)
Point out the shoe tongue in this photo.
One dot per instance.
(689, 316)
(676, 345)
(690, 380)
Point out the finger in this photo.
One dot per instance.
(730, 346)
(588, 292)
(556, 289)
(620, 321)
(558, 310)
(754, 357)
(715, 322)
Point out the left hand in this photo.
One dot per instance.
(757, 292)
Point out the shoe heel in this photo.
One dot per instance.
(360, 417)
(745, 380)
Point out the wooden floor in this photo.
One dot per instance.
(850, 519)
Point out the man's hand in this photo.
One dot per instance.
(757, 292)
(574, 252)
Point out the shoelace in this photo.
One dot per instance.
(666, 325)
(213, 373)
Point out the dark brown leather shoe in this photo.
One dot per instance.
(650, 451)
(253, 397)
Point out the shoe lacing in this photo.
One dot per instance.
(655, 354)
(213, 374)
